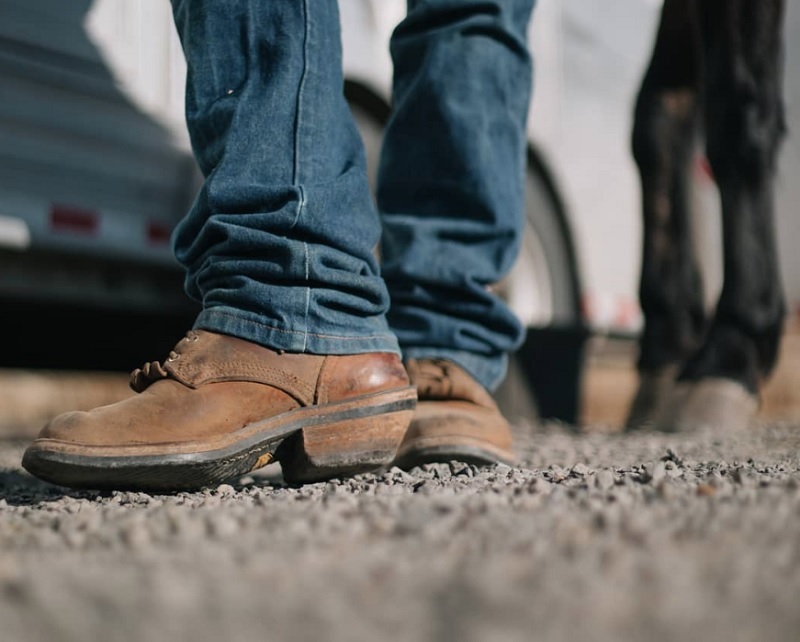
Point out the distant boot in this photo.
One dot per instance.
(456, 418)
(220, 407)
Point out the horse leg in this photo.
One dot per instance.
(664, 140)
(744, 126)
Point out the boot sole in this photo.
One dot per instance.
(467, 452)
(327, 441)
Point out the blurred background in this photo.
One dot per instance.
(95, 170)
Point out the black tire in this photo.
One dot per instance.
(549, 364)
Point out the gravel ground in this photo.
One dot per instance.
(593, 537)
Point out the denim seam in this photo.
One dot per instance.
(301, 204)
(308, 296)
(300, 94)
(367, 337)
(297, 163)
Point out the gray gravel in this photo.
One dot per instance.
(594, 537)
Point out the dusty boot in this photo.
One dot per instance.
(456, 418)
(220, 407)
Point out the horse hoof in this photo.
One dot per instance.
(652, 397)
(708, 404)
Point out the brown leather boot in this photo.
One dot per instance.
(219, 407)
(456, 418)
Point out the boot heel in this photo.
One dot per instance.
(343, 448)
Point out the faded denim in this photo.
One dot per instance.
(450, 183)
(279, 246)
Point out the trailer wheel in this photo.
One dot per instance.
(544, 290)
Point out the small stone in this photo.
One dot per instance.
(657, 471)
(459, 468)
(401, 476)
(225, 489)
(604, 479)
(332, 489)
(440, 471)
(671, 456)
(580, 470)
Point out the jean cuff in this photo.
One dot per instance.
(376, 338)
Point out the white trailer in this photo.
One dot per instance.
(95, 170)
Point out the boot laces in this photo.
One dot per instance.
(433, 378)
(152, 371)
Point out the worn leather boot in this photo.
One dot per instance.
(220, 407)
(456, 418)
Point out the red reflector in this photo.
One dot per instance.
(74, 219)
(158, 233)
(704, 168)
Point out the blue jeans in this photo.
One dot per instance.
(279, 245)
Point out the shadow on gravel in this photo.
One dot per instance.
(20, 489)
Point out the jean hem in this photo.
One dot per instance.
(235, 324)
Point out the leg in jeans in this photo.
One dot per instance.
(279, 244)
(278, 247)
(450, 190)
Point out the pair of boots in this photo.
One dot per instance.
(220, 407)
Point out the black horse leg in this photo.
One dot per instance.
(744, 126)
(664, 141)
